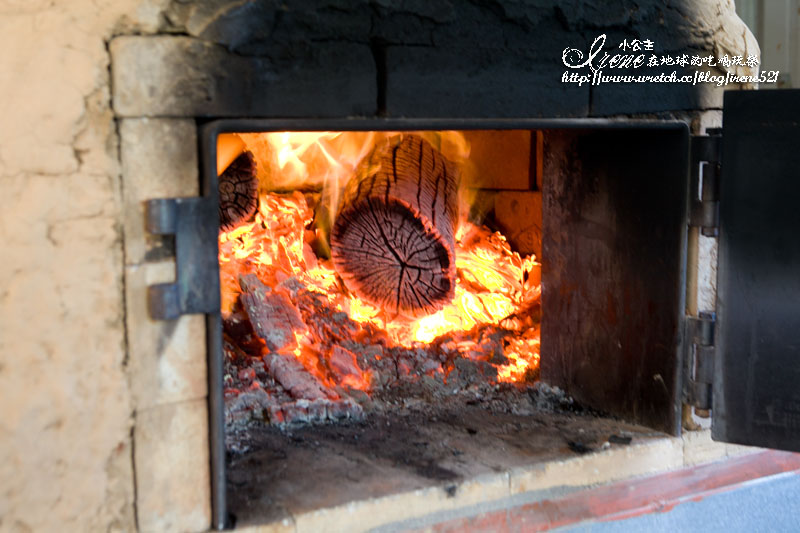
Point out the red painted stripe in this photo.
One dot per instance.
(617, 501)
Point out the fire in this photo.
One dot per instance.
(300, 187)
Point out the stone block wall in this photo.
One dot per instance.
(104, 413)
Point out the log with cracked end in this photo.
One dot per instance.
(238, 192)
(393, 240)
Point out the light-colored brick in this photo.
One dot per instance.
(172, 467)
(367, 514)
(638, 459)
(699, 448)
(159, 160)
(519, 216)
(166, 359)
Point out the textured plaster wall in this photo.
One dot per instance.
(65, 407)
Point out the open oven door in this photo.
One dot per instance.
(756, 389)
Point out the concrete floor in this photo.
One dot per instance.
(768, 504)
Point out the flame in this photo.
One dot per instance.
(494, 285)
(326, 160)
(310, 159)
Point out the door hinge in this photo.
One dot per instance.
(699, 359)
(704, 185)
(195, 224)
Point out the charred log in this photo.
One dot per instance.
(238, 191)
(273, 315)
(293, 377)
(393, 240)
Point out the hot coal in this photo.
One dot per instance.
(357, 367)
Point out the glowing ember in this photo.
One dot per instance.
(285, 246)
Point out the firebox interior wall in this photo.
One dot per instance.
(613, 275)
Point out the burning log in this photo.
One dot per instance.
(238, 191)
(273, 315)
(393, 241)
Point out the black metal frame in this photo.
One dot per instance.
(207, 149)
(196, 287)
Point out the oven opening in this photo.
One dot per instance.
(383, 309)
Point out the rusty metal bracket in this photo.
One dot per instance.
(705, 158)
(699, 359)
(193, 222)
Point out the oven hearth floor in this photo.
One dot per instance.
(425, 457)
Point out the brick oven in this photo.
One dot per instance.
(602, 199)
(614, 218)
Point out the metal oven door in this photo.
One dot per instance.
(756, 390)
